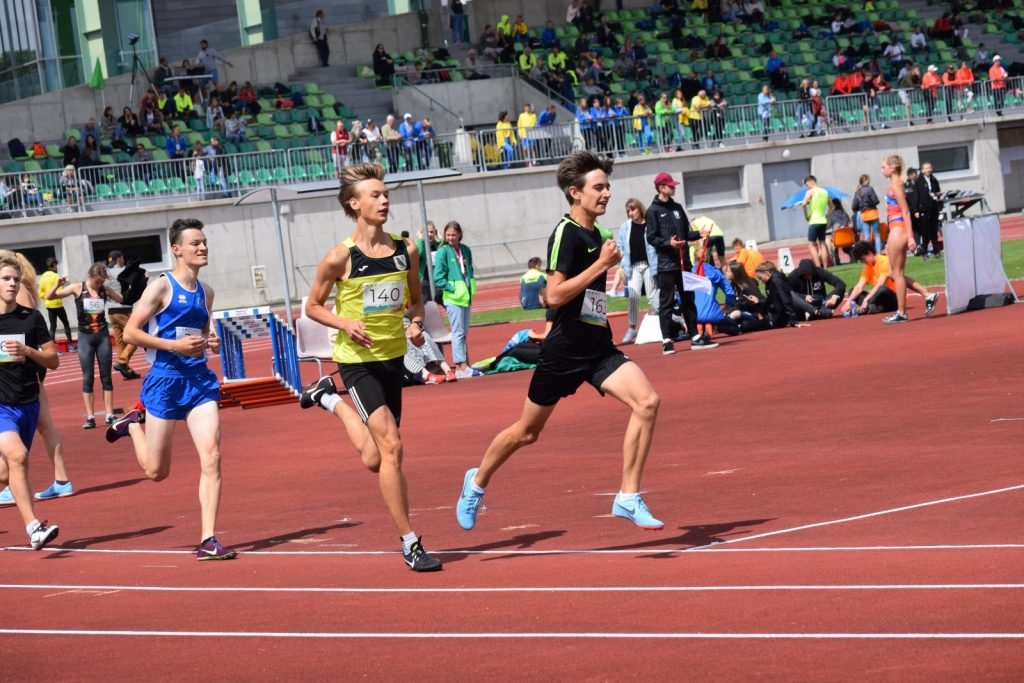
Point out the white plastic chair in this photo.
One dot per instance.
(434, 325)
(313, 342)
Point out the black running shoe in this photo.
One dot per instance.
(419, 560)
(119, 427)
(311, 395)
(929, 304)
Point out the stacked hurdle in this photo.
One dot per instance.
(237, 326)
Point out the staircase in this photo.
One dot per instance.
(358, 94)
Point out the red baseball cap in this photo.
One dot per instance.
(665, 179)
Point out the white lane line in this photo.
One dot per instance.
(554, 551)
(525, 635)
(869, 515)
(522, 589)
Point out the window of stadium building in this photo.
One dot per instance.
(956, 159)
(37, 254)
(149, 248)
(713, 188)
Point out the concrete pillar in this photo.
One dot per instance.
(257, 21)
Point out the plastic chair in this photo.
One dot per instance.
(434, 324)
(313, 342)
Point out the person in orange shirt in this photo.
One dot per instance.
(965, 90)
(882, 295)
(950, 88)
(748, 258)
(841, 86)
(876, 274)
(930, 83)
(997, 81)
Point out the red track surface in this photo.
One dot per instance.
(843, 501)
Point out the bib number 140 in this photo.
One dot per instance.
(382, 297)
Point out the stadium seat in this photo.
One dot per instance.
(299, 173)
(281, 175)
(122, 190)
(104, 192)
(176, 185)
(264, 177)
(316, 171)
(158, 186)
(246, 178)
(312, 89)
(141, 187)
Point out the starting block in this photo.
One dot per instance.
(239, 325)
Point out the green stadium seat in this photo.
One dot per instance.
(263, 146)
(281, 174)
(122, 190)
(312, 89)
(104, 192)
(175, 185)
(316, 171)
(158, 186)
(299, 173)
(264, 176)
(141, 187)
(33, 165)
(313, 101)
(281, 132)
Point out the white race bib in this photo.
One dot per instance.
(92, 305)
(5, 355)
(595, 308)
(383, 297)
(182, 332)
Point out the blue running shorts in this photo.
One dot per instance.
(21, 419)
(174, 397)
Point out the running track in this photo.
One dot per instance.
(843, 501)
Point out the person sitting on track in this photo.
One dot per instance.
(882, 296)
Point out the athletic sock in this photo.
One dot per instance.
(476, 489)
(408, 540)
(329, 401)
(62, 483)
(625, 498)
(32, 526)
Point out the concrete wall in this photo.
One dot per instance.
(507, 216)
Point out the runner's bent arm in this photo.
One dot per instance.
(561, 291)
(333, 268)
(156, 297)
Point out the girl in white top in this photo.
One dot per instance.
(199, 172)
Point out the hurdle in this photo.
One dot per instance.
(283, 385)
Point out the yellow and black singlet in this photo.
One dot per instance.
(375, 292)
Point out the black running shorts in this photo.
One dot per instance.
(375, 384)
(557, 377)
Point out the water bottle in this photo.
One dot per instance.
(853, 309)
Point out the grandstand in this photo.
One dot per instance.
(734, 177)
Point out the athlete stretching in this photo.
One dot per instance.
(172, 322)
(375, 274)
(579, 346)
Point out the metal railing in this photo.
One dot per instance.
(35, 191)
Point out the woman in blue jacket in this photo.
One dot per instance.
(453, 277)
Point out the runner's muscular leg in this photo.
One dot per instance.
(388, 441)
(204, 425)
(630, 385)
(525, 431)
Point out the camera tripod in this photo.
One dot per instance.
(136, 67)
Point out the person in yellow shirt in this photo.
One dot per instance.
(54, 307)
(505, 138)
(682, 114)
(699, 105)
(526, 121)
(642, 116)
(520, 32)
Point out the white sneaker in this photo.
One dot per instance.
(467, 373)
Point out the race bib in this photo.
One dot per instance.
(595, 308)
(382, 297)
(5, 355)
(92, 305)
(182, 332)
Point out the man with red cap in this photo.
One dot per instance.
(668, 231)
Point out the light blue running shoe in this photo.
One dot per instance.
(55, 490)
(6, 497)
(638, 514)
(469, 501)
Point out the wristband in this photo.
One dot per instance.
(417, 322)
